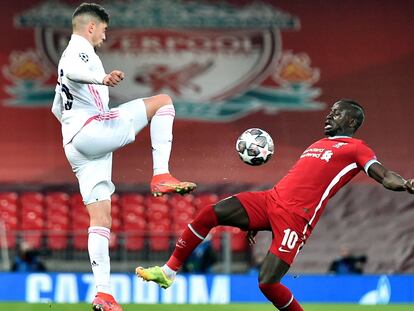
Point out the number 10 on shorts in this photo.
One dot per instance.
(290, 238)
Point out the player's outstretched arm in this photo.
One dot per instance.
(390, 179)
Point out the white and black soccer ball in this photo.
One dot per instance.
(255, 146)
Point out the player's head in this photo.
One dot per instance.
(345, 117)
(91, 20)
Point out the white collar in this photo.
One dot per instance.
(334, 137)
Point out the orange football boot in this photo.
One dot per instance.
(165, 183)
(105, 302)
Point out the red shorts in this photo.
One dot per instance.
(290, 231)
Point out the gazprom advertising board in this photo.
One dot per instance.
(193, 289)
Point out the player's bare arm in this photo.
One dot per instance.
(113, 78)
(390, 179)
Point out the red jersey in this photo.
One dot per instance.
(323, 168)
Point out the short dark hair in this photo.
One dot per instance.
(92, 9)
(356, 109)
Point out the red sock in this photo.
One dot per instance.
(280, 296)
(192, 236)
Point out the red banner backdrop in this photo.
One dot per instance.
(338, 49)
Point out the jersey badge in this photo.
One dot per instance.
(84, 57)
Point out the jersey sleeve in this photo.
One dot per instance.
(77, 68)
(365, 156)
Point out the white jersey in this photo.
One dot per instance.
(80, 94)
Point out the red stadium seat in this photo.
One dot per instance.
(117, 225)
(80, 223)
(180, 221)
(58, 241)
(131, 198)
(57, 234)
(159, 239)
(8, 207)
(32, 225)
(205, 199)
(35, 210)
(31, 198)
(115, 210)
(10, 197)
(115, 199)
(134, 240)
(8, 201)
(238, 240)
(80, 240)
(57, 208)
(114, 240)
(157, 204)
(134, 230)
(157, 216)
(33, 238)
(138, 209)
(32, 221)
(57, 218)
(76, 200)
(57, 197)
(179, 202)
(132, 220)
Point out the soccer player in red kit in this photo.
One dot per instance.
(292, 208)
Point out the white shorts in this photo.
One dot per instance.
(90, 151)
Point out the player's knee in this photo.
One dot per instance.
(166, 99)
(154, 105)
(107, 222)
(266, 278)
(101, 221)
(162, 100)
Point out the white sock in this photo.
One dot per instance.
(98, 247)
(170, 273)
(161, 138)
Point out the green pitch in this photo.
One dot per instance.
(176, 307)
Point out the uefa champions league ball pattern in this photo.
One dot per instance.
(255, 146)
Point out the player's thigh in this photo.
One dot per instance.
(135, 111)
(94, 175)
(104, 136)
(230, 212)
(272, 269)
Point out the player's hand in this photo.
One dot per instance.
(251, 234)
(409, 186)
(113, 78)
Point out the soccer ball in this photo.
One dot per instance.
(255, 146)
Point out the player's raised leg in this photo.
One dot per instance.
(160, 112)
(226, 212)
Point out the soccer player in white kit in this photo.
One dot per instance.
(91, 132)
